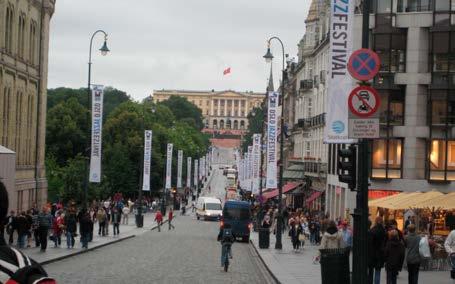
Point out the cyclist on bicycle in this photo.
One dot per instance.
(226, 238)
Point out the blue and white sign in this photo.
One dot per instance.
(147, 159)
(169, 165)
(272, 131)
(97, 133)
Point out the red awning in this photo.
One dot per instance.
(313, 197)
(286, 188)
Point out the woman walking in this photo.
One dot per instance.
(394, 257)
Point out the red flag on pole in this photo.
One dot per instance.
(227, 71)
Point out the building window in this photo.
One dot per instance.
(384, 6)
(222, 112)
(243, 113)
(243, 103)
(32, 42)
(386, 160)
(442, 160)
(413, 5)
(442, 110)
(391, 110)
(391, 49)
(207, 103)
(9, 28)
(21, 36)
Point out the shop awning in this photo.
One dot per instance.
(313, 197)
(445, 202)
(407, 200)
(286, 188)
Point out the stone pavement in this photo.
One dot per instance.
(126, 231)
(288, 266)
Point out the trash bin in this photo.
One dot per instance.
(264, 238)
(139, 221)
(335, 266)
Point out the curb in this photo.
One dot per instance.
(263, 262)
(85, 251)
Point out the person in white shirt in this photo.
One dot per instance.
(449, 245)
(126, 212)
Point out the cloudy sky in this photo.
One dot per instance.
(172, 44)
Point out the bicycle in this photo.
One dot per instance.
(226, 251)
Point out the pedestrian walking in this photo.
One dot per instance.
(44, 224)
(346, 234)
(331, 239)
(449, 246)
(413, 258)
(29, 218)
(116, 216)
(193, 206)
(101, 218)
(85, 227)
(158, 219)
(295, 232)
(393, 256)
(57, 229)
(70, 222)
(35, 226)
(170, 218)
(376, 246)
(21, 227)
(125, 213)
(108, 218)
(11, 226)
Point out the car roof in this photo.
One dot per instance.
(210, 199)
(236, 203)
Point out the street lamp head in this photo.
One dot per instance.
(104, 50)
(268, 56)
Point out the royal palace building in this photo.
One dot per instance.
(24, 46)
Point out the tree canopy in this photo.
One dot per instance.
(185, 111)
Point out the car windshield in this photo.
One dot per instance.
(236, 213)
(213, 206)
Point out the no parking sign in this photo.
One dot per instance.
(363, 104)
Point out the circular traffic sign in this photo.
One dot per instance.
(364, 101)
(364, 64)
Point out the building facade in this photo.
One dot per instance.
(223, 110)
(415, 41)
(24, 46)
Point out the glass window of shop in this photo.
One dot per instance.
(442, 160)
(391, 110)
(383, 6)
(391, 49)
(387, 158)
(442, 107)
(413, 5)
(444, 12)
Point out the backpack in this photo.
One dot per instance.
(16, 268)
(227, 236)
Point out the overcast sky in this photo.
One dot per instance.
(172, 44)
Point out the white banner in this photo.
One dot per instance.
(340, 83)
(188, 172)
(272, 123)
(179, 168)
(147, 159)
(256, 161)
(97, 133)
(169, 165)
(196, 168)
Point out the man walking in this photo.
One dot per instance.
(170, 217)
(159, 219)
(10, 226)
(412, 241)
(116, 215)
(44, 224)
(71, 227)
(85, 223)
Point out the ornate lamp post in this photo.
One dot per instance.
(269, 57)
(104, 51)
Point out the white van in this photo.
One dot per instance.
(208, 208)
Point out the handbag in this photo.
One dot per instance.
(302, 238)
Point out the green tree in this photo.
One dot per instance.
(185, 111)
(255, 123)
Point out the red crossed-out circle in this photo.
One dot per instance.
(371, 108)
(363, 58)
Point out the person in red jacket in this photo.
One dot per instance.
(159, 219)
(57, 229)
(170, 217)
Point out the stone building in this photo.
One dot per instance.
(24, 46)
(223, 110)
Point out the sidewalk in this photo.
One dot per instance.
(288, 266)
(53, 254)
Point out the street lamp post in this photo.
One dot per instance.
(269, 57)
(104, 51)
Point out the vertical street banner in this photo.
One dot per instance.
(169, 165)
(179, 168)
(256, 162)
(201, 168)
(339, 80)
(188, 172)
(97, 134)
(196, 168)
(207, 165)
(272, 124)
(250, 168)
(147, 159)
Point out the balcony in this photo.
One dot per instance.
(314, 168)
(306, 85)
(307, 123)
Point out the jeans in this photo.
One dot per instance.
(70, 239)
(21, 240)
(313, 238)
(101, 226)
(116, 228)
(43, 237)
(85, 237)
(225, 251)
(413, 273)
(392, 277)
(36, 236)
(374, 275)
(57, 239)
(170, 224)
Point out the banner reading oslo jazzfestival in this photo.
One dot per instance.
(169, 165)
(147, 159)
(179, 168)
(256, 161)
(188, 172)
(339, 81)
(272, 123)
(97, 134)
(196, 168)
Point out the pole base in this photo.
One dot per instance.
(139, 221)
